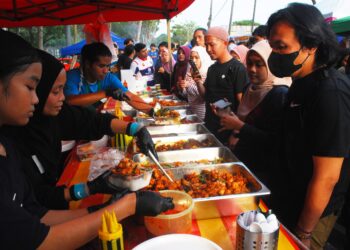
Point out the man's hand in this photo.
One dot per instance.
(117, 94)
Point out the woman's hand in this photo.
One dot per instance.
(230, 122)
(197, 77)
(161, 70)
(182, 84)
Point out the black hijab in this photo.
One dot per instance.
(40, 137)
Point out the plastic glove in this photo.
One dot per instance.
(113, 199)
(103, 185)
(117, 94)
(145, 142)
(151, 203)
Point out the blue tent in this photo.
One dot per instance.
(75, 48)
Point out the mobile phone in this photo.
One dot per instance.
(193, 66)
(222, 104)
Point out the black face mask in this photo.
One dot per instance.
(282, 65)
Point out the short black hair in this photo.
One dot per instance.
(152, 45)
(311, 31)
(91, 52)
(129, 49)
(163, 44)
(201, 29)
(127, 40)
(261, 31)
(139, 46)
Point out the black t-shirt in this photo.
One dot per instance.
(43, 137)
(20, 214)
(224, 80)
(316, 123)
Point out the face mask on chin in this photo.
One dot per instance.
(282, 65)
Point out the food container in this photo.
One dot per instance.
(225, 205)
(87, 151)
(133, 183)
(246, 239)
(183, 119)
(191, 158)
(206, 140)
(173, 223)
(176, 130)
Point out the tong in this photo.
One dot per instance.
(154, 159)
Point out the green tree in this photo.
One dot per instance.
(161, 38)
(245, 23)
(129, 29)
(183, 33)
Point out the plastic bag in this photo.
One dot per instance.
(103, 162)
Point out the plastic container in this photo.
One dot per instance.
(133, 183)
(173, 223)
(249, 240)
(88, 150)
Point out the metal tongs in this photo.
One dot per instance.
(154, 159)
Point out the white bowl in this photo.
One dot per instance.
(176, 242)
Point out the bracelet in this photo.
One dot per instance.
(302, 234)
(132, 128)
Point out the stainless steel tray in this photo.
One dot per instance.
(141, 118)
(193, 119)
(177, 130)
(258, 188)
(190, 156)
(202, 137)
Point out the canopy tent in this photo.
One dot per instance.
(342, 26)
(21, 13)
(75, 49)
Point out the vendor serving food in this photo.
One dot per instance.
(53, 121)
(93, 81)
(25, 224)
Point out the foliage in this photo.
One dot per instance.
(183, 33)
(161, 38)
(129, 29)
(245, 23)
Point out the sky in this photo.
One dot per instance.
(242, 10)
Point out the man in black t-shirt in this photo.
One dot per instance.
(225, 79)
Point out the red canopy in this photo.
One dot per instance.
(21, 13)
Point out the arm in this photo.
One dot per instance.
(85, 99)
(326, 172)
(138, 103)
(82, 227)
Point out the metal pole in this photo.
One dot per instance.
(313, 2)
(210, 13)
(230, 23)
(169, 44)
(253, 20)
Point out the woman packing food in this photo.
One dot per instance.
(53, 121)
(313, 179)
(256, 126)
(188, 87)
(24, 224)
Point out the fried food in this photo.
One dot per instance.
(205, 184)
(128, 167)
(183, 144)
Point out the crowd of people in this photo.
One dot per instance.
(288, 91)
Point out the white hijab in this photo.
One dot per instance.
(256, 93)
(206, 61)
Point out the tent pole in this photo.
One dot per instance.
(169, 46)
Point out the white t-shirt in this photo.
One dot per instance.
(143, 68)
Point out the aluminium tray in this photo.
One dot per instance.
(193, 119)
(189, 156)
(201, 137)
(177, 130)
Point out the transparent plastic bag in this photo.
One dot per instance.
(104, 161)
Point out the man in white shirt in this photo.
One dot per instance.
(142, 66)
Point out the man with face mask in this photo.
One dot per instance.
(226, 79)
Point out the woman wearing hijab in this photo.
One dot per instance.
(164, 67)
(188, 87)
(54, 121)
(180, 68)
(24, 223)
(240, 53)
(259, 114)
